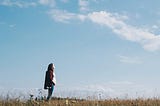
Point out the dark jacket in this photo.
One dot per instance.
(48, 79)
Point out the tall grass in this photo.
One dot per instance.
(82, 102)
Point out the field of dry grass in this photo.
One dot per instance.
(82, 102)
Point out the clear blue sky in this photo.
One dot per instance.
(91, 42)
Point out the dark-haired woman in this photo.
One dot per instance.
(50, 80)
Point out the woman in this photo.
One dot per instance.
(50, 80)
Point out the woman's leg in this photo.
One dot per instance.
(50, 91)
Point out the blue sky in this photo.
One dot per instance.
(103, 44)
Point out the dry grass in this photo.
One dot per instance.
(82, 102)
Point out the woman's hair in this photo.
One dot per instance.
(50, 66)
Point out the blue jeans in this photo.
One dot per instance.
(50, 91)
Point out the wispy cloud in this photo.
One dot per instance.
(50, 3)
(25, 4)
(65, 1)
(112, 89)
(5, 24)
(20, 4)
(121, 83)
(64, 16)
(155, 27)
(83, 5)
(117, 23)
(61, 16)
(148, 40)
(129, 60)
(12, 25)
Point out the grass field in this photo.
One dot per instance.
(83, 102)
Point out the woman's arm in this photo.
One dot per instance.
(51, 75)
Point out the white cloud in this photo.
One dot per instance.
(121, 89)
(65, 1)
(83, 5)
(118, 26)
(61, 16)
(50, 3)
(24, 4)
(155, 27)
(112, 89)
(12, 25)
(152, 44)
(20, 4)
(8, 25)
(121, 83)
(148, 40)
(116, 22)
(64, 16)
(130, 60)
